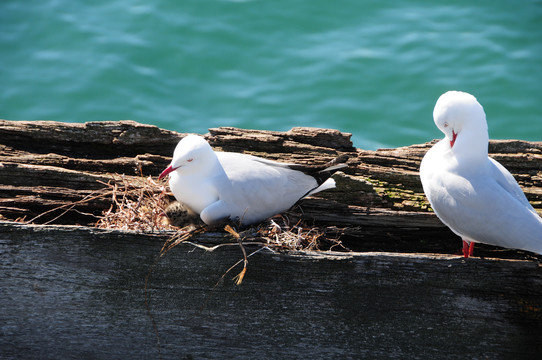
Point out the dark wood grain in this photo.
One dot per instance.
(73, 292)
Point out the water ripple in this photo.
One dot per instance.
(372, 69)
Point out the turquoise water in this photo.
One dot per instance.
(372, 68)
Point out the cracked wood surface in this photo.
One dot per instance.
(378, 203)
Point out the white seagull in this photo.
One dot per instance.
(474, 195)
(249, 189)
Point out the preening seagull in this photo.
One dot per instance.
(225, 185)
(474, 195)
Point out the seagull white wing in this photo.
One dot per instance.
(471, 193)
(503, 177)
(329, 183)
(481, 210)
(262, 188)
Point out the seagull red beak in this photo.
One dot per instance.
(165, 172)
(452, 142)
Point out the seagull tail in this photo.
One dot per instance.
(334, 168)
(323, 177)
(331, 167)
(328, 184)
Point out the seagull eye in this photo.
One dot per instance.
(445, 124)
(189, 160)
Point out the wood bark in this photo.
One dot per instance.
(378, 203)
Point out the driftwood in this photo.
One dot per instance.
(74, 291)
(378, 204)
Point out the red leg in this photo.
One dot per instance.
(471, 248)
(468, 248)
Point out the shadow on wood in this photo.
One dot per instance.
(79, 293)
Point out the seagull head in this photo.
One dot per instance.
(458, 112)
(193, 153)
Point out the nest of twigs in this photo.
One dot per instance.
(289, 231)
(136, 204)
(145, 205)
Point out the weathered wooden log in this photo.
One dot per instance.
(76, 292)
(79, 292)
(378, 203)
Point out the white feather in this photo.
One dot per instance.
(219, 185)
(474, 195)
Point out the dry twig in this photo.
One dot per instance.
(136, 204)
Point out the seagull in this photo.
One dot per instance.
(471, 193)
(240, 187)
